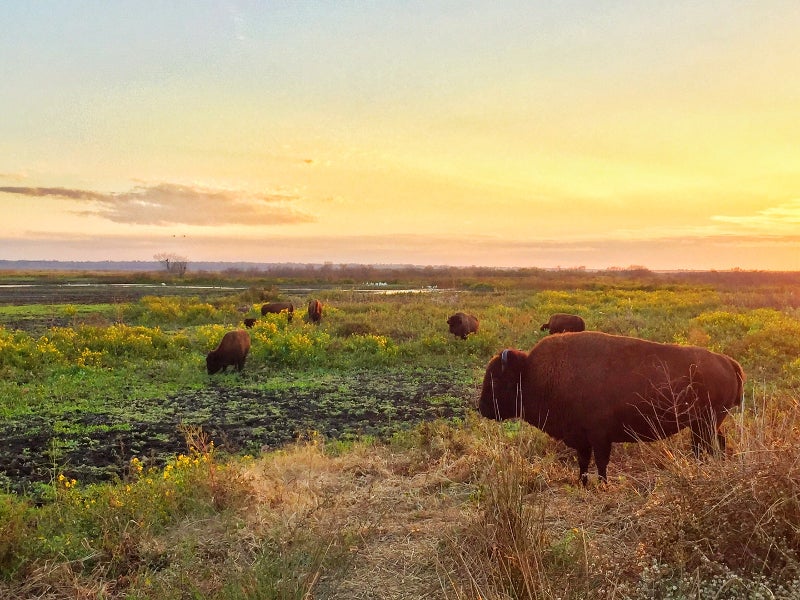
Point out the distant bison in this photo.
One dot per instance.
(591, 389)
(315, 311)
(249, 322)
(278, 307)
(461, 324)
(232, 350)
(562, 322)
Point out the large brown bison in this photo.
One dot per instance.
(591, 389)
(278, 307)
(563, 322)
(315, 311)
(461, 324)
(232, 350)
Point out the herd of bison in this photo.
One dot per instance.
(586, 388)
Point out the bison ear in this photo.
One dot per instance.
(512, 359)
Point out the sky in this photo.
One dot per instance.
(583, 133)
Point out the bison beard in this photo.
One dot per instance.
(592, 389)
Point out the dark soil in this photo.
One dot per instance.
(239, 415)
(96, 293)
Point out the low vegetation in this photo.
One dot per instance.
(346, 460)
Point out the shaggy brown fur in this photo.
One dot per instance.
(562, 322)
(461, 324)
(315, 311)
(278, 307)
(232, 350)
(591, 389)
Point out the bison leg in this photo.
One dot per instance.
(602, 454)
(721, 441)
(703, 434)
(584, 457)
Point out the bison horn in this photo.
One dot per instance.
(504, 359)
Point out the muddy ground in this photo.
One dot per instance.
(240, 416)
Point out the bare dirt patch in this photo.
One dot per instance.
(239, 417)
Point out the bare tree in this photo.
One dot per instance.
(173, 263)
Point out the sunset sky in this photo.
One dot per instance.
(535, 134)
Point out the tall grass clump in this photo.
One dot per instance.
(729, 529)
(511, 549)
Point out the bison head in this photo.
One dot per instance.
(213, 363)
(501, 396)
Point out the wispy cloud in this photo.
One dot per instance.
(785, 216)
(172, 204)
(22, 176)
(54, 191)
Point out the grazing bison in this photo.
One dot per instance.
(562, 322)
(315, 311)
(249, 322)
(461, 324)
(232, 350)
(278, 307)
(591, 389)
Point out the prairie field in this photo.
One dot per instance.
(347, 460)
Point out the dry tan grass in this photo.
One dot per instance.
(478, 512)
(491, 511)
(394, 514)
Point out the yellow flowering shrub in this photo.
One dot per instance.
(174, 310)
(208, 336)
(20, 351)
(374, 348)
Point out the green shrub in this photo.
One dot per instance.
(14, 530)
(177, 311)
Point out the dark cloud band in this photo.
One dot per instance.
(171, 204)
